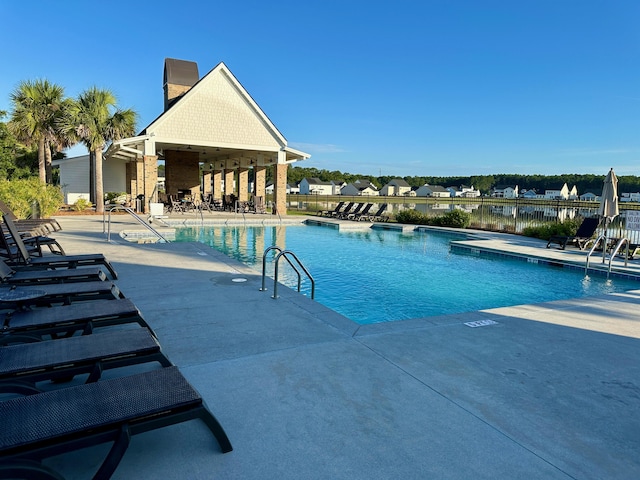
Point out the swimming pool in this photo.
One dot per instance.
(377, 275)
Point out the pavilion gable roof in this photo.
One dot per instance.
(217, 110)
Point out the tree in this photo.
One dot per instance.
(95, 120)
(37, 108)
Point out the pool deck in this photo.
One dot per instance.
(539, 391)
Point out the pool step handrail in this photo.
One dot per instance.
(287, 255)
(137, 217)
(619, 244)
(601, 238)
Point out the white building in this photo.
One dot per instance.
(505, 191)
(315, 186)
(396, 187)
(359, 187)
(432, 191)
(74, 177)
(562, 193)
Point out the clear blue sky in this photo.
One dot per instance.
(431, 87)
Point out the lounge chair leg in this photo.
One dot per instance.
(96, 373)
(216, 429)
(115, 455)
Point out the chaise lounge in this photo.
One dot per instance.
(23, 366)
(581, 239)
(57, 261)
(39, 426)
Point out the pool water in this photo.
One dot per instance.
(383, 275)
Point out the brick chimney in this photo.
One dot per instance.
(179, 77)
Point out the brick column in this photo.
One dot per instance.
(139, 181)
(150, 168)
(280, 189)
(243, 184)
(131, 181)
(228, 182)
(217, 184)
(260, 181)
(206, 183)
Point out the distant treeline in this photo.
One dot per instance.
(584, 183)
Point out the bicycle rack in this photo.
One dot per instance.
(286, 254)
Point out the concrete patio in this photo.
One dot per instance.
(547, 391)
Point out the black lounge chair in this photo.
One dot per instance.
(25, 326)
(58, 261)
(23, 366)
(363, 213)
(44, 277)
(330, 213)
(39, 426)
(16, 297)
(32, 225)
(581, 239)
(376, 216)
(345, 215)
(346, 210)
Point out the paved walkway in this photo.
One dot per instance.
(547, 391)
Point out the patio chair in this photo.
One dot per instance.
(17, 297)
(57, 261)
(376, 216)
(32, 224)
(258, 204)
(23, 366)
(345, 211)
(175, 205)
(345, 215)
(34, 244)
(329, 213)
(43, 277)
(36, 427)
(364, 212)
(38, 324)
(581, 239)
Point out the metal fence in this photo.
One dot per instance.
(487, 213)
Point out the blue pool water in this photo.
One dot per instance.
(383, 275)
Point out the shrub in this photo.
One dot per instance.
(20, 194)
(410, 216)
(456, 218)
(82, 204)
(115, 197)
(545, 232)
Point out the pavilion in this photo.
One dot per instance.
(210, 133)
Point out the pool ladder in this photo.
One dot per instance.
(106, 224)
(288, 255)
(619, 244)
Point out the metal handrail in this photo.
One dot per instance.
(621, 242)
(595, 245)
(139, 219)
(285, 254)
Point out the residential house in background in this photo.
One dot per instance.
(359, 187)
(529, 194)
(464, 192)
(427, 190)
(505, 191)
(396, 187)
(561, 193)
(589, 197)
(630, 197)
(315, 186)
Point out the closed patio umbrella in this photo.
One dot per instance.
(609, 202)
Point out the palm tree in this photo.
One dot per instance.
(91, 121)
(37, 107)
